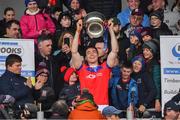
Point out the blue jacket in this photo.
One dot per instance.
(122, 97)
(126, 13)
(14, 85)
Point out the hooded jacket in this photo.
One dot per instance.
(85, 111)
(32, 24)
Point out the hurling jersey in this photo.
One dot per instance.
(96, 80)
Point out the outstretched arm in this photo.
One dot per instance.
(76, 58)
(114, 46)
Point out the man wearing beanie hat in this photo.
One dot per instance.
(85, 107)
(153, 69)
(146, 86)
(157, 24)
(71, 87)
(159, 14)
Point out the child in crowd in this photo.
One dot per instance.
(146, 34)
(85, 107)
(135, 44)
(71, 88)
(43, 93)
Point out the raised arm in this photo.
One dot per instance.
(76, 58)
(114, 46)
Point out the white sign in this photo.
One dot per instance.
(170, 67)
(21, 47)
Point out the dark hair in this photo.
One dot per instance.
(91, 46)
(61, 108)
(66, 14)
(43, 37)
(12, 58)
(9, 23)
(8, 9)
(55, 9)
(127, 64)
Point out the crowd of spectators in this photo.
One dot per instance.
(85, 77)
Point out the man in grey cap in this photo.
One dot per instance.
(111, 113)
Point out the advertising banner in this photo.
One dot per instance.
(21, 47)
(170, 67)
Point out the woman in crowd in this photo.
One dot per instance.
(63, 52)
(146, 86)
(152, 68)
(9, 14)
(34, 22)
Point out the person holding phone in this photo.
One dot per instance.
(63, 54)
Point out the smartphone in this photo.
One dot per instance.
(67, 41)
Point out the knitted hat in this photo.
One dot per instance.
(67, 72)
(146, 31)
(137, 12)
(150, 45)
(27, 1)
(41, 69)
(137, 33)
(158, 13)
(140, 59)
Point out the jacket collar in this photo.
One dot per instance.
(11, 74)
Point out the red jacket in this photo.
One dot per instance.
(32, 24)
(85, 111)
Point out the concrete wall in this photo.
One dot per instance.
(18, 5)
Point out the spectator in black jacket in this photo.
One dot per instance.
(12, 83)
(157, 24)
(43, 56)
(146, 86)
